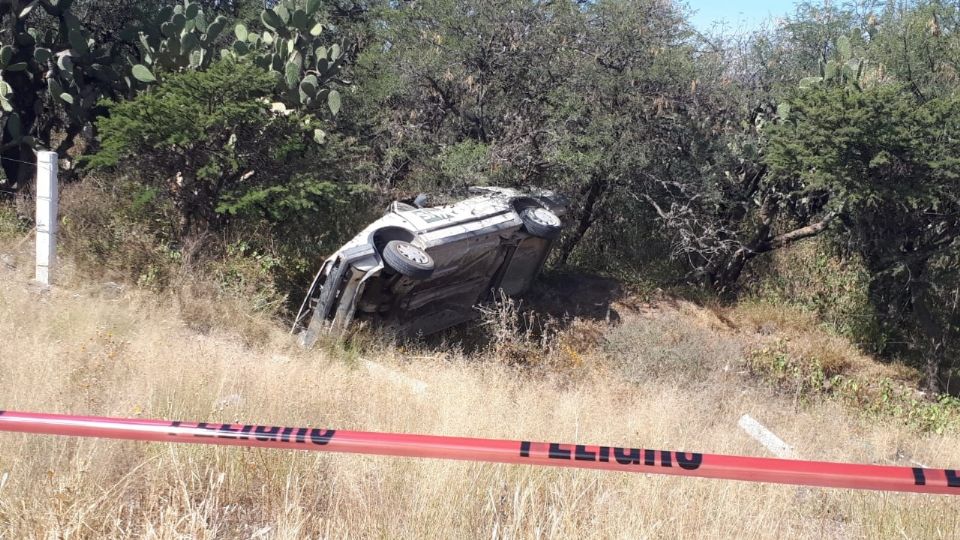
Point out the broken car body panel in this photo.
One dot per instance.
(497, 240)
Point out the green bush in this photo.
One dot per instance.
(209, 161)
(886, 158)
(213, 143)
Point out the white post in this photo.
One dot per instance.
(46, 215)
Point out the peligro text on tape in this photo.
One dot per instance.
(613, 458)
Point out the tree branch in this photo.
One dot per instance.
(663, 215)
(785, 239)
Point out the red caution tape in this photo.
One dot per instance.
(753, 469)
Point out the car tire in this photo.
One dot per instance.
(541, 222)
(408, 260)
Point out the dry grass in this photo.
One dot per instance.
(675, 344)
(804, 337)
(80, 351)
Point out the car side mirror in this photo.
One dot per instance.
(421, 200)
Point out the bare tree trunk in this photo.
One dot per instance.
(726, 276)
(932, 364)
(723, 278)
(585, 217)
(933, 332)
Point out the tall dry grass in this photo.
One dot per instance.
(78, 350)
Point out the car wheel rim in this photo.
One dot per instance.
(413, 254)
(543, 216)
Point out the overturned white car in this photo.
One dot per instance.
(420, 270)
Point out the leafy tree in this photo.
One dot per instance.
(588, 99)
(918, 44)
(890, 163)
(624, 120)
(456, 73)
(719, 206)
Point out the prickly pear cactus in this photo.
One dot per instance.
(53, 68)
(181, 37)
(49, 67)
(843, 68)
(292, 42)
(289, 40)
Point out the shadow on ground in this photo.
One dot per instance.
(555, 301)
(573, 295)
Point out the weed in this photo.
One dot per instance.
(11, 224)
(516, 336)
(882, 398)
